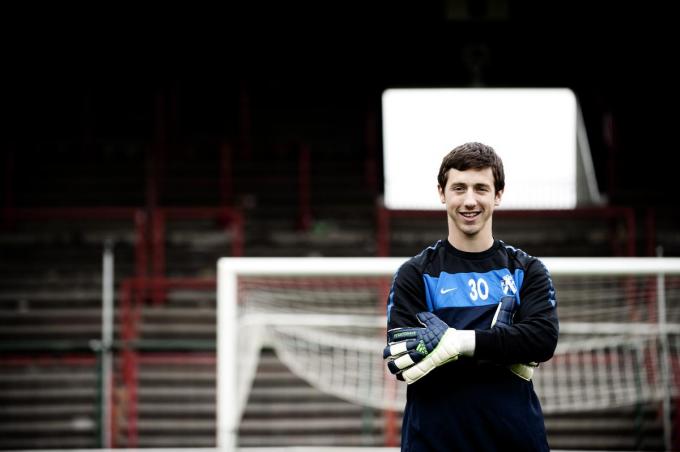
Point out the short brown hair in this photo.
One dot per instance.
(473, 156)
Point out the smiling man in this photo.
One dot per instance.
(468, 320)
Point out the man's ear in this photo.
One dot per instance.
(497, 200)
(442, 198)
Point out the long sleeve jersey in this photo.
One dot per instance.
(477, 404)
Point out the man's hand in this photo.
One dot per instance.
(412, 353)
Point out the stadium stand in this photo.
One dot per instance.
(50, 317)
(164, 389)
(281, 163)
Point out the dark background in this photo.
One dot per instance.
(316, 73)
(131, 104)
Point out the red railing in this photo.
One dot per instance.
(149, 250)
(133, 293)
(70, 359)
(226, 180)
(304, 188)
(231, 220)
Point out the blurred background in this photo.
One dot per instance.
(167, 138)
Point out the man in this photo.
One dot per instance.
(468, 319)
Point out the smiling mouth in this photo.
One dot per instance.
(469, 215)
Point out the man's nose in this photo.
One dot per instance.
(469, 200)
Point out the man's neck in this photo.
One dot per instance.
(474, 244)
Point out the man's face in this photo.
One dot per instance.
(470, 200)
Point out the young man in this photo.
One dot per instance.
(468, 319)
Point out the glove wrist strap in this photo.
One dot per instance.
(467, 342)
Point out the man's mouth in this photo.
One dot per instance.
(469, 214)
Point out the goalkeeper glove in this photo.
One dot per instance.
(504, 312)
(503, 317)
(412, 353)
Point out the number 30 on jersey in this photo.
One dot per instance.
(479, 289)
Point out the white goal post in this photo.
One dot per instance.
(604, 306)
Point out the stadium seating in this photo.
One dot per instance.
(50, 294)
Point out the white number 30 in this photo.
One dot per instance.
(478, 289)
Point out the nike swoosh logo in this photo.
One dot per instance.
(445, 291)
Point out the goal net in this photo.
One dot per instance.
(325, 319)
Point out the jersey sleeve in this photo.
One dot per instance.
(534, 331)
(406, 297)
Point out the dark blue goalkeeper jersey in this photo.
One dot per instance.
(477, 404)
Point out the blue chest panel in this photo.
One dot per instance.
(468, 290)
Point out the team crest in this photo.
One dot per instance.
(508, 284)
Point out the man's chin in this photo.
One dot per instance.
(470, 232)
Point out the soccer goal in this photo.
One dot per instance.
(325, 320)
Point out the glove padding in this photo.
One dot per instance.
(504, 312)
(412, 353)
(503, 317)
